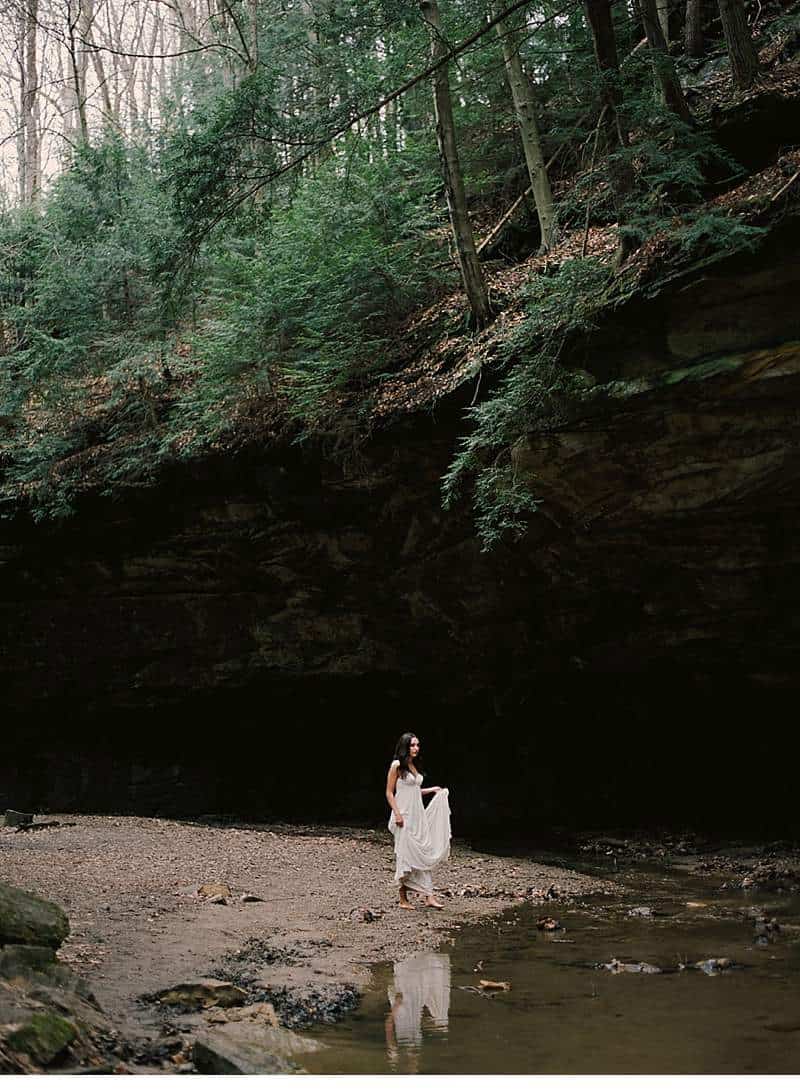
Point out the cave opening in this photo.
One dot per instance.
(560, 754)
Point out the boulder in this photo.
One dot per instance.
(201, 994)
(15, 819)
(42, 1037)
(14, 1010)
(26, 919)
(214, 890)
(250, 1048)
(216, 1017)
(258, 1011)
(45, 1007)
(21, 960)
(263, 1012)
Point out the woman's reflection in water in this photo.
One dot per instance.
(420, 981)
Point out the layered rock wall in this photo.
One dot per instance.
(250, 636)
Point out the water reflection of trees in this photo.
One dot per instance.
(420, 982)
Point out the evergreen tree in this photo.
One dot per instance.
(244, 206)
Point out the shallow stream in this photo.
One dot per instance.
(566, 1014)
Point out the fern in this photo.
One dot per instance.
(536, 393)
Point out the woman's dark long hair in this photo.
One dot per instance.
(401, 753)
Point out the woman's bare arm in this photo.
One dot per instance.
(391, 786)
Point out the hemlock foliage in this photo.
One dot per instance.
(173, 283)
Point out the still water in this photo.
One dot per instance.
(562, 1015)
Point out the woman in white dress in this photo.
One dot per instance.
(421, 836)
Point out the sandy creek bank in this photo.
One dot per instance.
(130, 888)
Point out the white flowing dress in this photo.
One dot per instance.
(423, 840)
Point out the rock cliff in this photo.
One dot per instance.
(249, 637)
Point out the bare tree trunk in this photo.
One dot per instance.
(68, 107)
(30, 107)
(393, 126)
(471, 272)
(694, 28)
(252, 7)
(163, 84)
(130, 65)
(525, 108)
(77, 69)
(21, 30)
(620, 173)
(318, 93)
(85, 37)
(662, 8)
(112, 40)
(149, 72)
(666, 75)
(741, 50)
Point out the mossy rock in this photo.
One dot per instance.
(43, 1037)
(47, 981)
(23, 960)
(26, 919)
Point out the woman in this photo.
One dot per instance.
(421, 836)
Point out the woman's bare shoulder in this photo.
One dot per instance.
(394, 764)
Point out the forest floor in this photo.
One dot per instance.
(327, 911)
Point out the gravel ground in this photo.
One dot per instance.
(328, 909)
